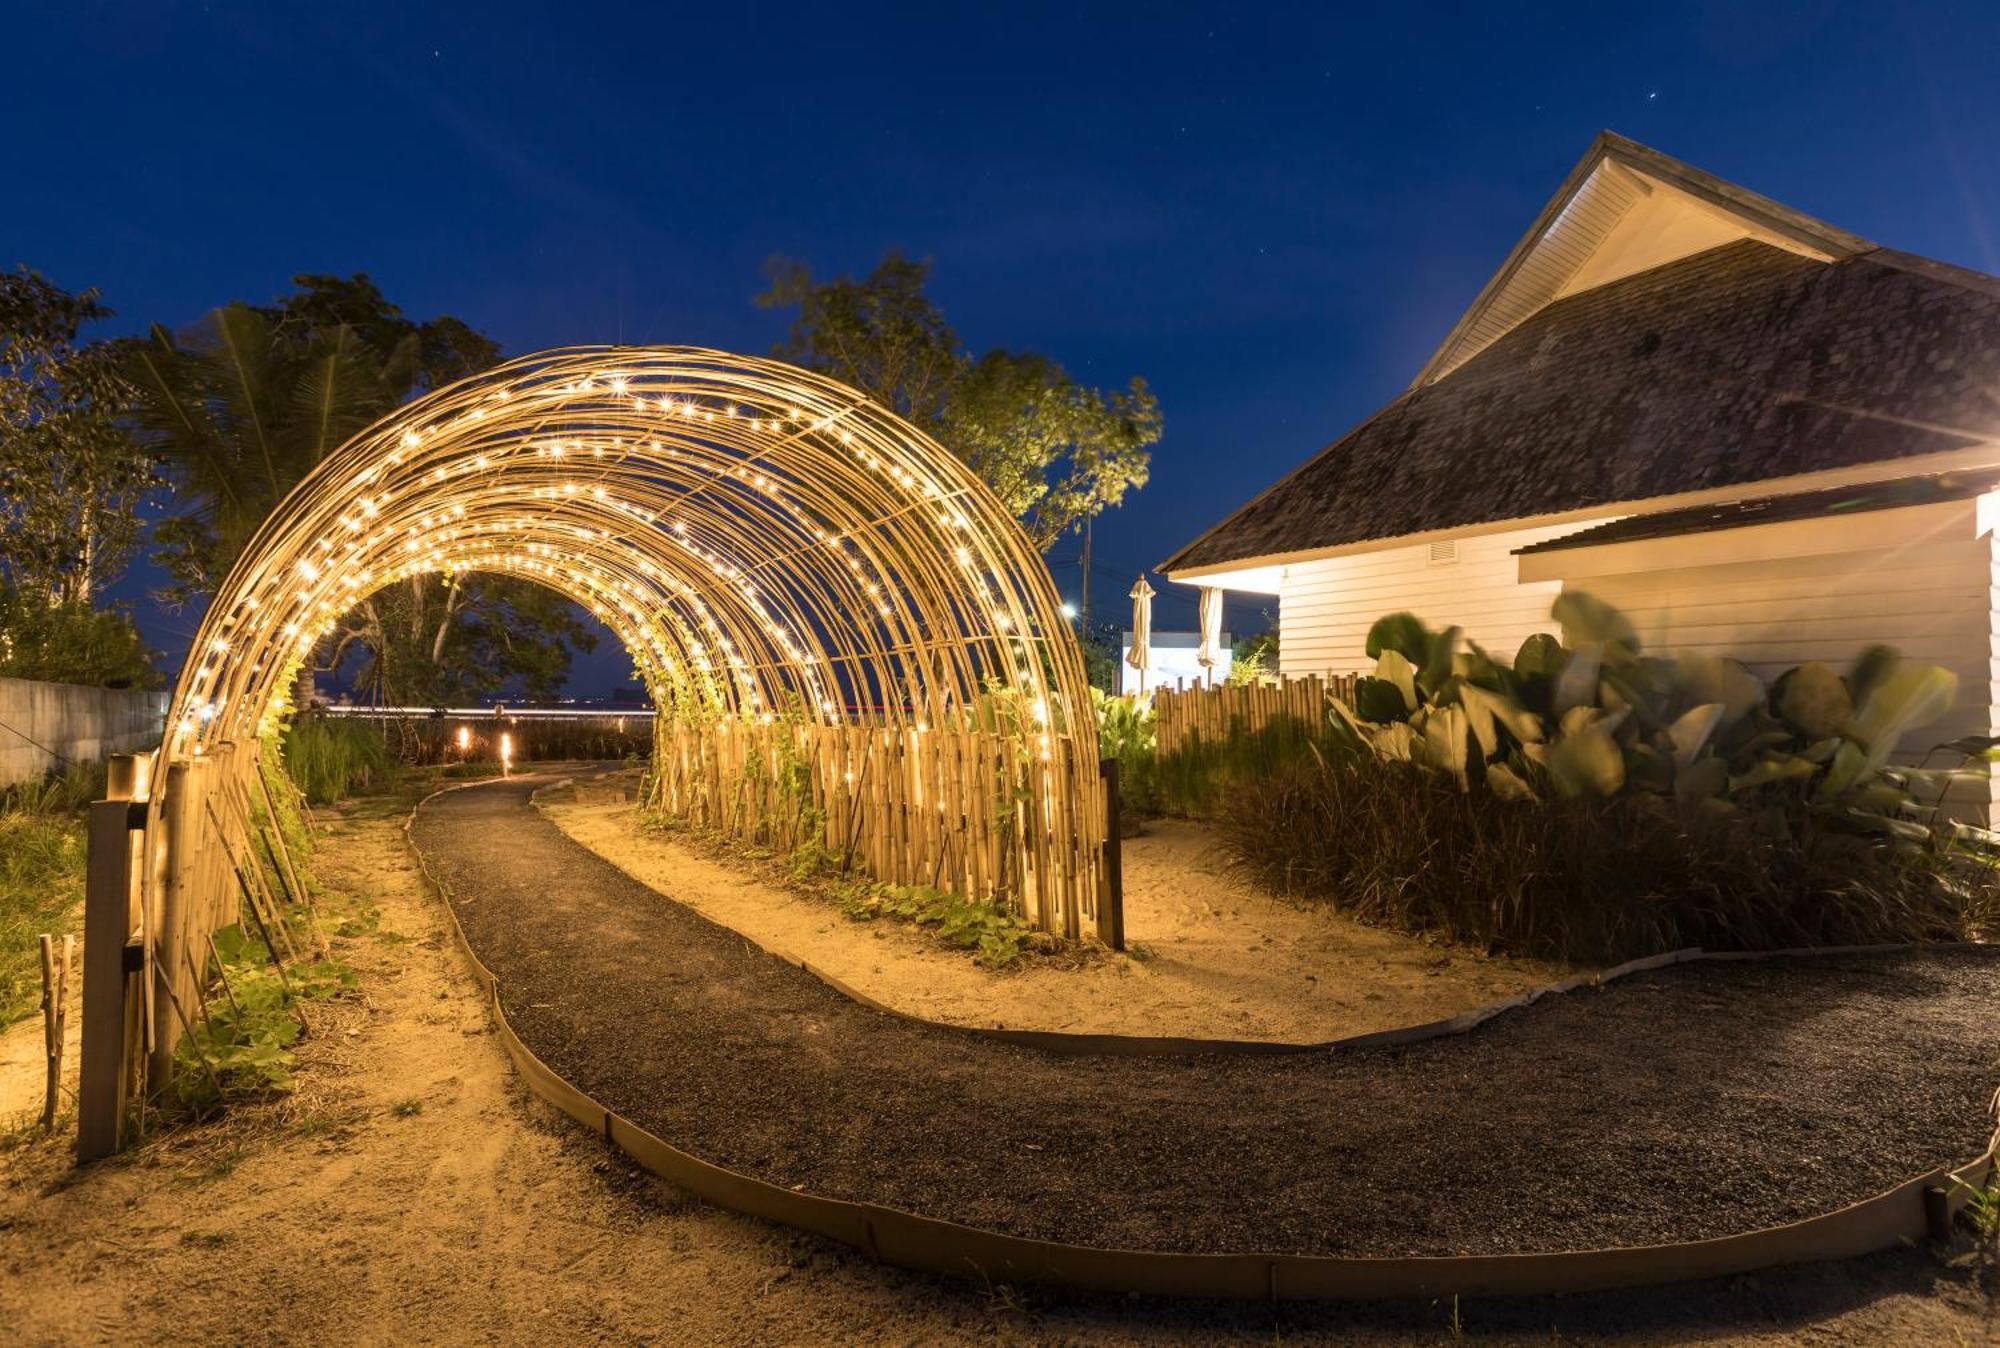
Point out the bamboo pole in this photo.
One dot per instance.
(55, 1018)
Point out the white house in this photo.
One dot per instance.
(1758, 434)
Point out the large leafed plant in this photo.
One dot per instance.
(1593, 715)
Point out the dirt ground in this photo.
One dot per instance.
(1215, 957)
(412, 1192)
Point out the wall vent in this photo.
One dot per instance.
(1445, 553)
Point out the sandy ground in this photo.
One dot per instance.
(482, 1217)
(1213, 957)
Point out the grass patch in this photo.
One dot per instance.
(41, 890)
(331, 759)
(1197, 779)
(42, 856)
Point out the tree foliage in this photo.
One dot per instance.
(71, 643)
(1056, 452)
(249, 400)
(70, 480)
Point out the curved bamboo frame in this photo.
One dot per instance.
(770, 546)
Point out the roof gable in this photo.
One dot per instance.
(1624, 209)
(1740, 364)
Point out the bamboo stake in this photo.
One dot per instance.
(214, 1077)
(222, 974)
(55, 1019)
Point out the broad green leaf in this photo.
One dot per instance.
(1689, 734)
(1589, 621)
(1701, 779)
(1438, 660)
(1774, 768)
(1709, 678)
(1492, 711)
(1403, 633)
(1585, 764)
(1576, 686)
(1909, 697)
(1541, 657)
(1815, 701)
(1394, 667)
(1447, 742)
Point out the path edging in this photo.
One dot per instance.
(1919, 1207)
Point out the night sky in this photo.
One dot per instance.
(1271, 213)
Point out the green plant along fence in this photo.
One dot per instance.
(1590, 800)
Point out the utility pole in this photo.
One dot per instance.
(1086, 572)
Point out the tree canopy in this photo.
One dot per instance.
(71, 481)
(1056, 452)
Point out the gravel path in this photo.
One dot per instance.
(1697, 1101)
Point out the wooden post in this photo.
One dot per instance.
(1111, 912)
(107, 1026)
(180, 911)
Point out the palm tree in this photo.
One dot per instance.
(241, 409)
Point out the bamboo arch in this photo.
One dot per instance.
(850, 641)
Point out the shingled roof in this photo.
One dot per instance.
(1841, 502)
(1739, 363)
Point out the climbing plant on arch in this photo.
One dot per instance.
(849, 640)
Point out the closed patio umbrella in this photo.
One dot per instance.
(1141, 657)
(1206, 654)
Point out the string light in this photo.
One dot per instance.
(764, 543)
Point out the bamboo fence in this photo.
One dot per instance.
(977, 811)
(1212, 712)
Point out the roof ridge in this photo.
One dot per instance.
(1589, 202)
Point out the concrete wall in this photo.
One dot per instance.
(45, 725)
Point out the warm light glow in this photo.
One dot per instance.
(778, 554)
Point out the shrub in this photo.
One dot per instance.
(1196, 779)
(1588, 801)
(41, 875)
(1125, 732)
(72, 643)
(330, 759)
(1597, 719)
(1587, 878)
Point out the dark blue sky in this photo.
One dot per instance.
(1270, 212)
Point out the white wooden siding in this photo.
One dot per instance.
(1326, 607)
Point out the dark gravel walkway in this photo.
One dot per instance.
(1698, 1101)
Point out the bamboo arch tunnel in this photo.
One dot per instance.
(851, 644)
